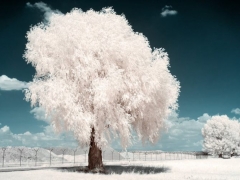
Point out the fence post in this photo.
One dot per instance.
(21, 150)
(63, 151)
(74, 151)
(50, 153)
(3, 150)
(112, 155)
(36, 151)
(127, 157)
(85, 156)
(104, 154)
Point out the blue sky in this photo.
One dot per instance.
(202, 39)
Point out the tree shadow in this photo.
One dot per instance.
(118, 169)
(135, 169)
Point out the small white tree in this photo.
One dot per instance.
(221, 134)
(98, 78)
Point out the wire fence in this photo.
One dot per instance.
(25, 156)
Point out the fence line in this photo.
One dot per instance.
(24, 156)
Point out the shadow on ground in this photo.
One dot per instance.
(136, 169)
(117, 169)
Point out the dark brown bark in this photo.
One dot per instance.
(94, 155)
(220, 155)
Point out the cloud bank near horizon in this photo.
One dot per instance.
(184, 134)
(46, 138)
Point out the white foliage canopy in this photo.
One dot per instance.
(221, 134)
(93, 70)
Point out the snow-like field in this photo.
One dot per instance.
(198, 169)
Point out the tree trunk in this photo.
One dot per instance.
(94, 155)
(220, 155)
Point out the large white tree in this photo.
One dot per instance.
(96, 77)
(221, 134)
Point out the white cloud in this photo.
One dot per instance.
(236, 111)
(39, 114)
(27, 133)
(47, 138)
(9, 84)
(204, 118)
(28, 4)
(199, 143)
(48, 12)
(166, 11)
(4, 129)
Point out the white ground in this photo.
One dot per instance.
(195, 169)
